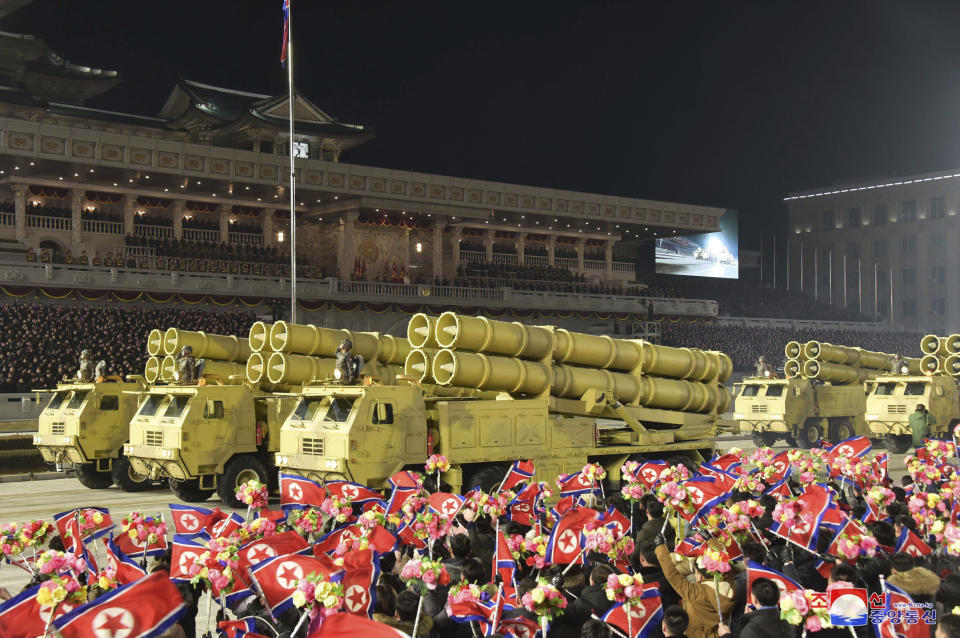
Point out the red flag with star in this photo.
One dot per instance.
(563, 547)
(277, 578)
(257, 551)
(361, 573)
(299, 492)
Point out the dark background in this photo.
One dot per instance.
(728, 104)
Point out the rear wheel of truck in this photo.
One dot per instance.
(841, 430)
(809, 434)
(189, 491)
(764, 439)
(899, 443)
(89, 477)
(239, 470)
(126, 477)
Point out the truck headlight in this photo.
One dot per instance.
(872, 417)
(66, 439)
(776, 417)
(330, 464)
(738, 416)
(36, 440)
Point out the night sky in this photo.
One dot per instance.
(727, 104)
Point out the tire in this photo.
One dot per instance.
(791, 441)
(189, 491)
(239, 470)
(809, 435)
(487, 478)
(841, 431)
(126, 478)
(90, 478)
(899, 444)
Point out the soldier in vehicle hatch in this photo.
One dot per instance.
(761, 366)
(188, 369)
(348, 364)
(87, 372)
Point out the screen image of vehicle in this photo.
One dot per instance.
(707, 255)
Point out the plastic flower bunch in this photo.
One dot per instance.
(750, 483)
(607, 541)
(926, 509)
(409, 509)
(624, 588)
(675, 496)
(349, 544)
(88, 520)
(629, 470)
(429, 526)
(675, 473)
(855, 469)
(951, 539)
(544, 600)
(107, 579)
(594, 471)
(761, 458)
(536, 545)
(515, 545)
(143, 530)
(337, 508)
(437, 463)
(32, 534)
(790, 512)
(796, 609)
(424, 574)
(59, 589)
(306, 521)
(492, 505)
(880, 496)
(921, 471)
(317, 593)
(54, 562)
(940, 449)
(633, 488)
(372, 517)
(464, 592)
(714, 558)
(217, 565)
(853, 546)
(738, 517)
(9, 540)
(806, 464)
(257, 528)
(253, 494)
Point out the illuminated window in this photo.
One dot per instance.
(301, 149)
(280, 236)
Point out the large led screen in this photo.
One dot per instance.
(707, 255)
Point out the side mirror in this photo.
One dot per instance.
(383, 413)
(210, 411)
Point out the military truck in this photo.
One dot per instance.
(821, 396)
(85, 425)
(891, 398)
(563, 399)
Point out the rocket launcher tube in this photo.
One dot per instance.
(259, 336)
(793, 350)
(844, 355)
(421, 331)
(836, 373)
(151, 371)
(419, 365)
(222, 369)
(307, 339)
(256, 368)
(393, 350)
(931, 364)
(207, 346)
(504, 374)
(951, 365)
(932, 344)
(793, 368)
(952, 344)
(296, 369)
(155, 342)
(479, 334)
(684, 363)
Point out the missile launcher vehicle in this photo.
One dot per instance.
(821, 396)
(485, 393)
(892, 397)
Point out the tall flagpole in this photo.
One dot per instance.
(293, 175)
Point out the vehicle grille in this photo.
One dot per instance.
(312, 446)
(758, 408)
(893, 408)
(57, 428)
(154, 438)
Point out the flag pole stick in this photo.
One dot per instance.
(609, 626)
(629, 621)
(293, 176)
(303, 616)
(572, 563)
(416, 622)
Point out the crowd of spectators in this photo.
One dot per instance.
(210, 250)
(745, 343)
(40, 343)
(541, 278)
(48, 211)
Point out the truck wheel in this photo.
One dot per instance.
(765, 439)
(125, 476)
(808, 435)
(899, 444)
(487, 479)
(239, 470)
(189, 491)
(791, 441)
(841, 431)
(89, 477)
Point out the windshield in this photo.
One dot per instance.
(56, 401)
(774, 390)
(884, 389)
(339, 410)
(151, 405)
(307, 407)
(176, 407)
(750, 390)
(915, 389)
(77, 399)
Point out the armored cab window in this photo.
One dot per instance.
(383, 413)
(56, 401)
(307, 408)
(884, 389)
(151, 405)
(213, 410)
(110, 402)
(774, 391)
(77, 400)
(176, 407)
(750, 390)
(915, 389)
(339, 409)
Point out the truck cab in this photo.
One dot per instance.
(206, 438)
(892, 398)
(85, 425)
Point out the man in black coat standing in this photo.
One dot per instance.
(764, 621)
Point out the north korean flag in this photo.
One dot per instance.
(298, 492)
(277, 516)
(910, 543)
(726, 462)
(872, 515)
(854, 447)
(146, 608)
(127, 570)
(398, 497)
(188, 519)
(645, 618)
(756, 570)
(237, 628)
(135, 549)
(815, 501)
(505, 567)
(690, 547)
(705, 493)
(621, 524)
(471, 611)
(277, 578)
(649, 472)
(849, 528)
(99, 530)
(406, 478)
(519, 627)
(781, 467)
(525, 506)
(255, 552)
(407, 537)
(351, 626)
(227, 526)
(184, 552)
(897, 600)
(563, 506)
(565, 543)
(724, 479)
(575, 484)
(833, 518)
(780, 490)
(23, 617)
(444, 504)
(880, 465)
(520, 472)
(361, 573)
(357, 493)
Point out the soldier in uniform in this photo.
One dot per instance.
(348, 364)
(87, 372)
(761, 366)
(895, 363)
(188, 368)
